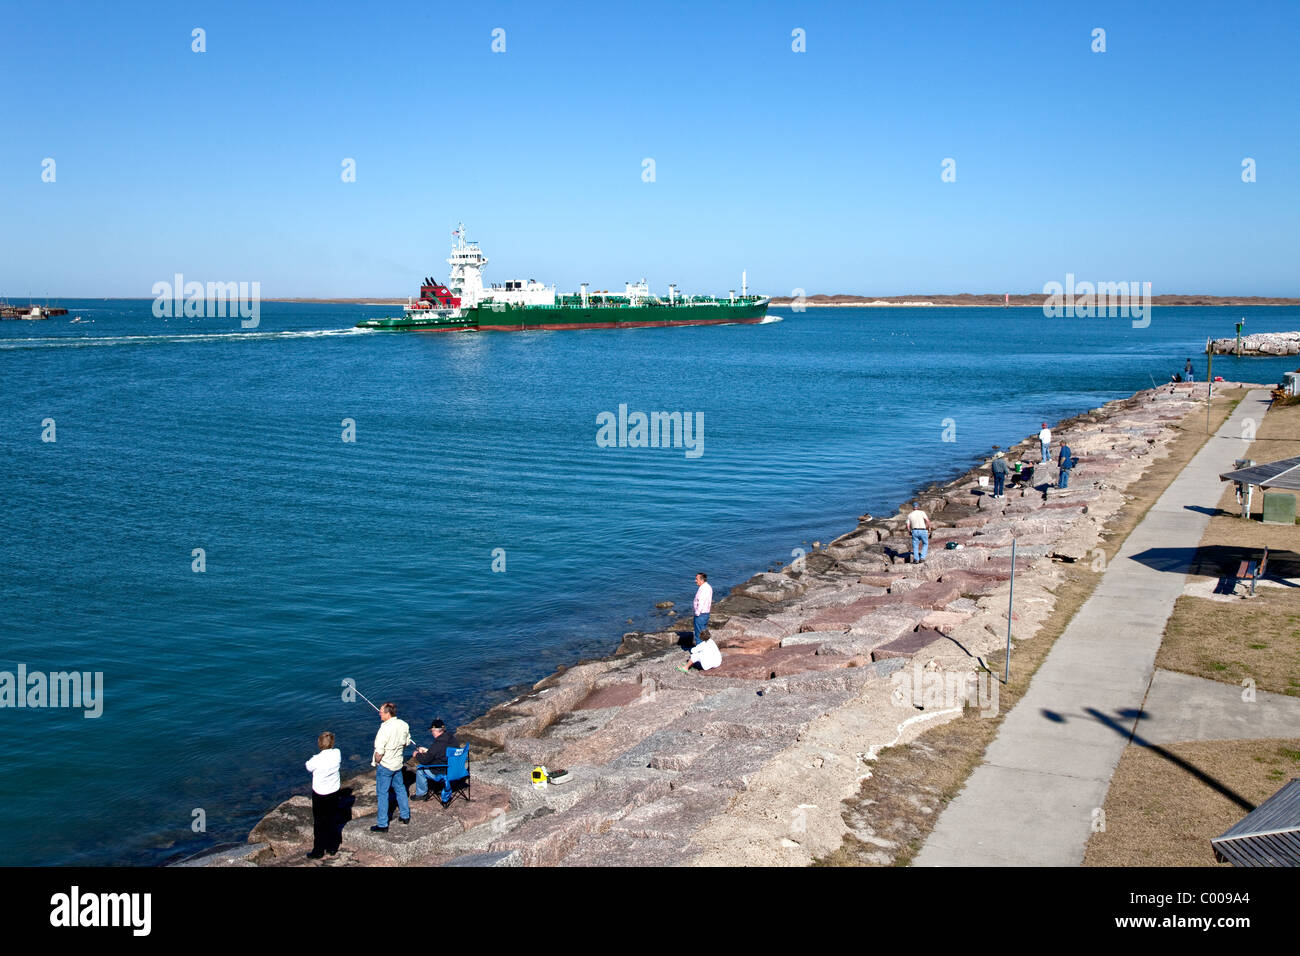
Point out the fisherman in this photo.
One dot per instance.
(919, 524)
(1065, 462)
(432, 762)
(999, 474)
(390, 746)
(1045, 442)
(703, 604)
(1188, 372)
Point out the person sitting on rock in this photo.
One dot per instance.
(706, 654)
(431, 762)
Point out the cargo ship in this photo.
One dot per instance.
(465, 303)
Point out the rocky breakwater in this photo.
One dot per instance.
(1260, 343)
(748, 763)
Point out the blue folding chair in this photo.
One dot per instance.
(454, 777)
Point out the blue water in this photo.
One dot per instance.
(373, 560)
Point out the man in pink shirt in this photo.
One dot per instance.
(703, 603)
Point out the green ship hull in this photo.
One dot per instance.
(506, 318)
(425, 323)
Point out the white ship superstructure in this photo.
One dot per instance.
(466, 280)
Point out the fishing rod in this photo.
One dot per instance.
(366, 699)
(377, 711)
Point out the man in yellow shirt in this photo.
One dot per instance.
(390, 743)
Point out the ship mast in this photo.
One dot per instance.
(467, 263)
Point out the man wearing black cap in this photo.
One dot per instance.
(431, 761)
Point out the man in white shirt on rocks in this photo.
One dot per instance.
(703, 604)
(918, 522)
(1045, 442)
(390, 745)
(706, 654)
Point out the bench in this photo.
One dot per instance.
(1252, 571)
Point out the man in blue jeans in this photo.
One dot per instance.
(703, 603)
(432, 761)
(919, 523)
(390, 755)
(999, 474)
(1065, 462)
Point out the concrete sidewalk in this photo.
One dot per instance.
(1183, 707)
(1031, 802)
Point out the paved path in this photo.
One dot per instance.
(1183, 707)
(1030, 802)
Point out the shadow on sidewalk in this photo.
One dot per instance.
(1217, 560)
(1131, 735)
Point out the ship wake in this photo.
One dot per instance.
(97, 341)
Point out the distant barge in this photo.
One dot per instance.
(464, 303)
(31, 312)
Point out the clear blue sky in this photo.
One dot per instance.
(819, 170)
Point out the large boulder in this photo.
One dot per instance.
(908, 645)
(770, 588)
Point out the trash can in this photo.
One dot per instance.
(1279, 508)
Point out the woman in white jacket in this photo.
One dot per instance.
(324, 768)
(706, 654)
